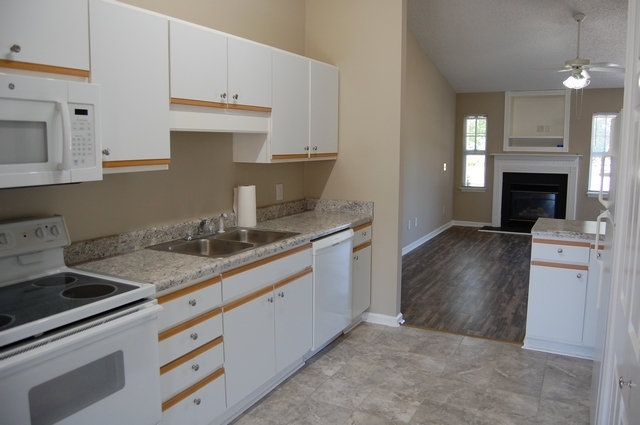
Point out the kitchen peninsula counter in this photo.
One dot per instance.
(566, 229)
(170, 270)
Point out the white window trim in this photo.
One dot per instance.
(465, 152)
(592, 193)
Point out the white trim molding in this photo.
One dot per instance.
(383, 319)
(539, 164)
(413, 245)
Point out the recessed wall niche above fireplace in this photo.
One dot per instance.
(539, 184)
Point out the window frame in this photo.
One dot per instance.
(610, 116)
(465, 152)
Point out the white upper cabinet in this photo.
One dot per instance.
(290, 115)
(210, 69)
(44, 32)
(323, 141)
(130, 61)
(198, 63)
(249, 75)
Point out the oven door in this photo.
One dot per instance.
(103, 371)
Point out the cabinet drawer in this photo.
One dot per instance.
(189, 302)
(361, 234)
(178, 341)
(562, 251)
(184, 371)
(197, 405)
(248, 278)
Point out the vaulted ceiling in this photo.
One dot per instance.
(504, 45)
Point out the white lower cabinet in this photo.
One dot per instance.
(265, 332)
(198, 405)
(562, 297)
(361, 277)
(191, 352)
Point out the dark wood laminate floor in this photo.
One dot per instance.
(469, 282)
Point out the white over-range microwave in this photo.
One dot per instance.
(49, 131)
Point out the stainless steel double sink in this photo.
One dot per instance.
(219, 245)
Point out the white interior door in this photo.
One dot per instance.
(622, 357)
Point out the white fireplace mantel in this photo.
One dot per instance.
(539, 164)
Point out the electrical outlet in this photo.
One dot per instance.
(443, 209)
(409, 225)
(415, 222)
(279, 195)
(546, 128)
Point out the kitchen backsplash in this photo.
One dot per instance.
(94, 249)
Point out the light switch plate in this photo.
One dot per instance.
(279, 194)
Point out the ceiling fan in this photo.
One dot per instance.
(579, 77)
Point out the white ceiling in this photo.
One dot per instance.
(503, 45)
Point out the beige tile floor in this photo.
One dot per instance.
(377, 375)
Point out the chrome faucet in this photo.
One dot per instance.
(204, 224)
(221, 222)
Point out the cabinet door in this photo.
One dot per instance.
(290, 115)
(130, 61)
(198, 59)
(361, 280)
(556, 303)
(249, 350)
(54, 33)
(249, 74)
(293, 319)
(324, 110)
(591, 305)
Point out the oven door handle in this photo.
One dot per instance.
(65, 165)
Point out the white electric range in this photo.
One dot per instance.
(75, 347)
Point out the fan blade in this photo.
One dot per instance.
(605, 69)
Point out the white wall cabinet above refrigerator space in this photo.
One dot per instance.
(45, 36)
(537, 121)
(129, 59)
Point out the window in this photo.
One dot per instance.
(475, 150)
(600, 139)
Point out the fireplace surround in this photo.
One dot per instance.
(543, 164)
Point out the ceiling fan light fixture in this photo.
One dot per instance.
(576, 81)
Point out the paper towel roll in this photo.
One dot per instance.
(246, 206)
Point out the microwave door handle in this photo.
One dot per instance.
(66, 136)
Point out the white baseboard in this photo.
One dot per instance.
(407, 249)
(383, 319)
(470, 223)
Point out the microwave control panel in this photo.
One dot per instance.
(83, 139)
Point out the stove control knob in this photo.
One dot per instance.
(55, 231)
(40, 233)
(3, 239)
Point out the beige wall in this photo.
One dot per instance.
(277, 23)
(476, 207)
(364, 38)
(428, 123)
(201, 177)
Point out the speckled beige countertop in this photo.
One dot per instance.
(168, 270)
(569, 229)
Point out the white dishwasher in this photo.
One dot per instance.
(332, 264)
